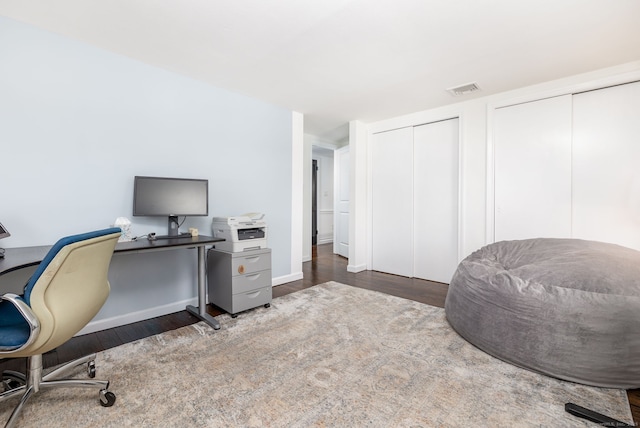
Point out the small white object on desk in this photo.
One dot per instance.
(125, 225)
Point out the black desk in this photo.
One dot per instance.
(22, 257)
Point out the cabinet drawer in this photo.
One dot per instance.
(250, 300)
(251, 263)
(251, 281)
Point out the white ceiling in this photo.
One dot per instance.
(339, 60)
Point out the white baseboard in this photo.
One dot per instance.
(286, 278)
(132, 317)
(157, 311)
(356, 268)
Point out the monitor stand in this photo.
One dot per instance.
(173, 227)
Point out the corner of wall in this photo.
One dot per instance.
(297, 190)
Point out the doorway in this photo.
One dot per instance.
(314, 202)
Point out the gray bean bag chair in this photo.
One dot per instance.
(566, 308)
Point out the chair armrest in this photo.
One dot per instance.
(29, 317)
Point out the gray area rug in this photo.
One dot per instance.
(332, 355)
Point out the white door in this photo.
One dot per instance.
(341, 191)
(435, 190)
(606, 165)
(392, 202)
(532, 175)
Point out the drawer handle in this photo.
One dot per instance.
(252, 259)
(253, 277)
(253, 295)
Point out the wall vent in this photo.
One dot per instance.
(467, 88)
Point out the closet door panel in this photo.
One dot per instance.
(436, 200)
(606, 165)
(392, 202)
(532, 161)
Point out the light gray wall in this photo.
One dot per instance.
(77, 123)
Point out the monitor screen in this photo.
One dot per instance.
(161, 196)
(3, 232)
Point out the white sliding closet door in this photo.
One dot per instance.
(415, 201)
(435, 166)
(606, 165)
(392, 202)
(532, 175)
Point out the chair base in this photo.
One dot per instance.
(34, 381)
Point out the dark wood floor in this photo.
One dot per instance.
(324, 267)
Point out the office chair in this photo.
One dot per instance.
(65, 292)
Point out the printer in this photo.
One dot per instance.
(241, 233)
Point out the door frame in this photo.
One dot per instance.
(337, 184)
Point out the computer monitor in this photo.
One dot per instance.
(4, 233)
(170, 197)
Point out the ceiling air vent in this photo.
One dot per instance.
(467, 88)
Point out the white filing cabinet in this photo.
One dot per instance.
(239, 281)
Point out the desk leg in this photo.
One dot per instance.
(201, 310)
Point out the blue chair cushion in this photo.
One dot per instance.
(14, 330)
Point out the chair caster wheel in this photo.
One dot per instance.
(234, 315)
(107, 398)
(267, 305)
(91, 369)
(12, 380)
